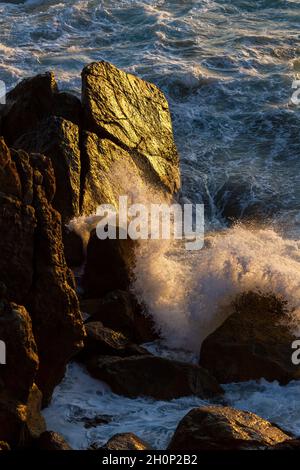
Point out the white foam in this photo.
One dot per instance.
(189, 294)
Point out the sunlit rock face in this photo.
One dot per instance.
(132, 120)
(224, 428)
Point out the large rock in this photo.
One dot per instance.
(128, 145)
(254, 342)
(126, 441)
(32, 263)
(152, 376)
(134, 115)
(120, 311)
(222, 428)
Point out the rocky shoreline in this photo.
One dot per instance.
(60, 157)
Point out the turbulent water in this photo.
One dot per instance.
(227, 68)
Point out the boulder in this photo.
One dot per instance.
(51, 441)
(223, 428)
(152, 376)
(120, 311)
(126, 441)
(106, 342)
(254, 342)
(134, 115)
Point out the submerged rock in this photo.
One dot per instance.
(223, 428)
(254, 342)
(152, 376)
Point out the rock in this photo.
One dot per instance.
(108, 265)
(96, 421)
(135, 116)
(4, 446)
(33, 100)
(33, 267)
(58, 139)
(104, 341)
(51, 441)
(126, 441)
(291, 444)
(73, 248)
(152, 376)
(18, 374)
(20, 399)
(21, 422)
(254, 342)
(223, 428)
(120, 311)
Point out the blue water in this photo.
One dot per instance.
(227, 68)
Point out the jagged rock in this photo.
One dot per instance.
(51, 441)
(153, 376)
(223, 428)
(126, 441)
(104, 341)
(18, 374)
(254, 342)
(33, 267)
(120, 311)
(134, 115)
(33, 100)
(58, 139)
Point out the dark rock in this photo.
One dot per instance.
(108, 266)
(291, 444)
(104, 341)
(33, 267)
(96, 421)
(222, 428)
(33, 100)
(51, 441)
(157, 377)
(74, 248)
(58, 139)
(120, 311)
(126, 441)
(254, 342)
(18, 374)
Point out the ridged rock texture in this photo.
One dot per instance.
(45, 329)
